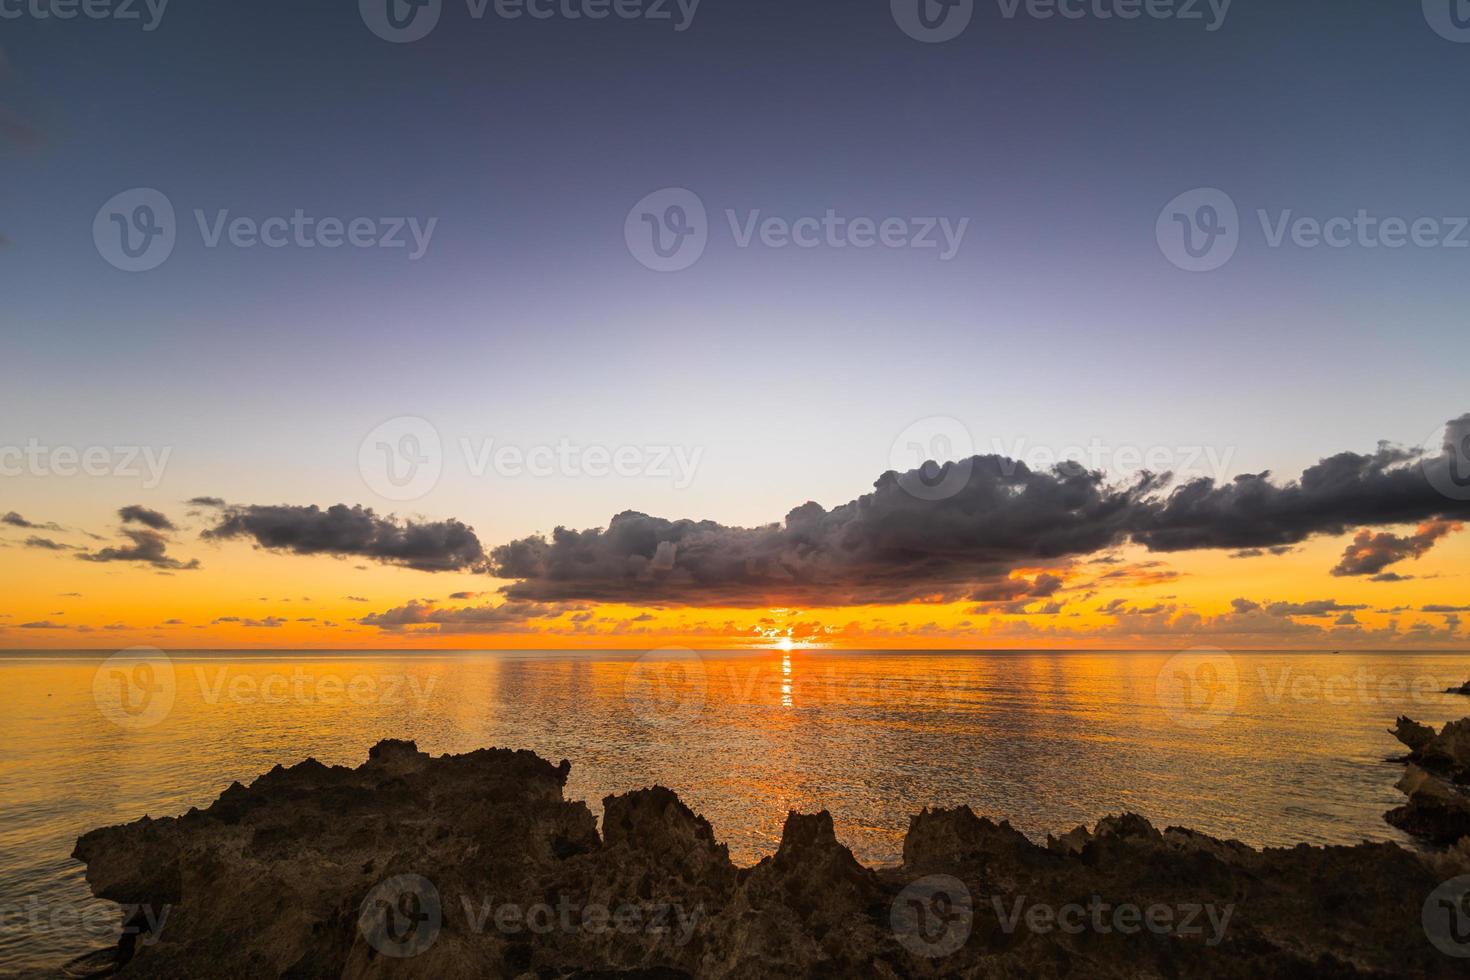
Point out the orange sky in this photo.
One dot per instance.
(244, 597)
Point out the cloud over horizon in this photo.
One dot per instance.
(342, 531)
(893, 546)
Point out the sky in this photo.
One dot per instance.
(992, 264)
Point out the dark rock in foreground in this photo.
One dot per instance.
(475, 866)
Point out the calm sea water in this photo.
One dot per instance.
(1268, 748)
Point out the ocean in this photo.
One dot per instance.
(1268, 748)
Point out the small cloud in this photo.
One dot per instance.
(46, 544)
(1370, 553)
(137, 514)
(15, 520)
(149, 547)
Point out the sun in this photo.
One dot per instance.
(785, 644)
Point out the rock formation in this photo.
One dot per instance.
(476, 866)
(1436, 810)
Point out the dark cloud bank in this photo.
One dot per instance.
(889, 545)
(432, 546)
(892, 546)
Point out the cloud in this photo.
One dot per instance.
(1370, 554)
(15, 520)
(149, 547)
(890, 546)
(340, 530)
(138, 514)
(206, 501)
(1318, 607)
(46, 544)
(426, 617)
(886, 546)
(44, 624)
(1389, 486)
(1278, 551)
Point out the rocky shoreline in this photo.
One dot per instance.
(475, 865)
